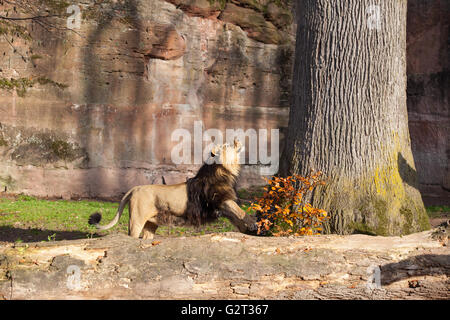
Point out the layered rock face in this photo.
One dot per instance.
(95, 110)
(98, 109)
(428, 95)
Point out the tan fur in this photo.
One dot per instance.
(149, 203)
(150, 200)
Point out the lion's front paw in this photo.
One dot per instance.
(250, 223)
(252, 228)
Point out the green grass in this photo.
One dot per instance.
(57, 215)
(437, 211)
(25, 218)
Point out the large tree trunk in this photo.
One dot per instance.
(349, 116)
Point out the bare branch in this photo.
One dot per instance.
(29, 18)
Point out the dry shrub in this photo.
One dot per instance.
(283, 210)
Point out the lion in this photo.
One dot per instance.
(197, 201)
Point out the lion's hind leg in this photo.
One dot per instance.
(143, 215)
(137, 221)
(149, 230)
(135, 228)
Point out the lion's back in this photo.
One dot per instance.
(171, 198)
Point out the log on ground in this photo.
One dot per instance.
(229, 266)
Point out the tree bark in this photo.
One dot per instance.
(349, 116)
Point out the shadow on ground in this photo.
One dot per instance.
(11, 234)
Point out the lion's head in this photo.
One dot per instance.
(228, 156)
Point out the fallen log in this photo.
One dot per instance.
(228, 266)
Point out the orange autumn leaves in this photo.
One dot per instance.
(283, 209)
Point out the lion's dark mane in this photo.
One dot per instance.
(212, 185)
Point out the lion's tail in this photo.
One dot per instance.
(95, 218)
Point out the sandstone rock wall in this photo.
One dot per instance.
(428, 95)
(90, 112)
